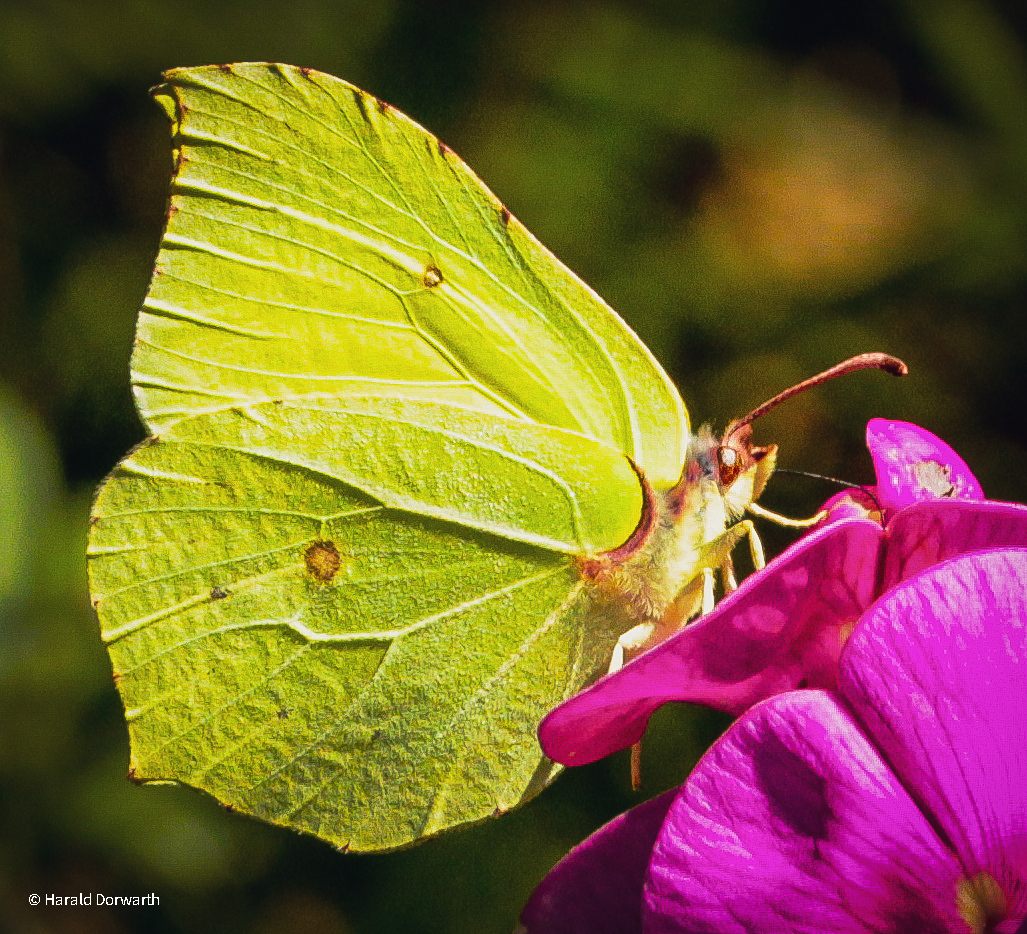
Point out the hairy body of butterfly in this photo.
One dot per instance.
(663, 575)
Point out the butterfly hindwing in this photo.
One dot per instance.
(309, 656)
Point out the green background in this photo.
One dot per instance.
(760, 187)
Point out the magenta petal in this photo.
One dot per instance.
(783, 628)
(930, 532)
(597, 887)
(793, 822)
(937, 670)
(913, 465)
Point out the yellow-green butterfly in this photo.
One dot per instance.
(410, 480)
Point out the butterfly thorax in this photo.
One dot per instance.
(657, 574)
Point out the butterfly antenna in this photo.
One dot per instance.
(818, 476)
(865, 361)
(834, 480)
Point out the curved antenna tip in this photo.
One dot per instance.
(864, 361)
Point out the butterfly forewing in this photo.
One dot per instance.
(317, 236)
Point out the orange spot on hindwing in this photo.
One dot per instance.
(322, 560)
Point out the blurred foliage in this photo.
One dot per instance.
(761, 187)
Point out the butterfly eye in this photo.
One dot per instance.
(729, 465)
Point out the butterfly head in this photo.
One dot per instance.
(741, 469)
(730, 466)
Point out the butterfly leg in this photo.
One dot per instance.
(630, 644)
(759, 559)
(708, 599)
(727, 575)
(636, 766)
(747, 530)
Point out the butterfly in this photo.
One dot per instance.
(409, 481)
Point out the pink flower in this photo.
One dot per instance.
(786, 626)
(895, 802)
